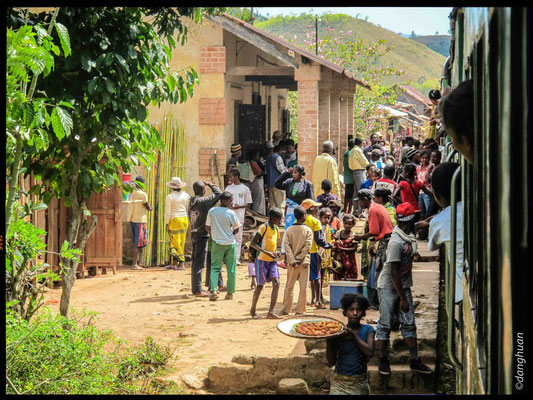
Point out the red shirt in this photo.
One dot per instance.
(379, 222)
(411, 195)
(385, 183)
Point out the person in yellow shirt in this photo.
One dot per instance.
(325, 167)
(265, 241)
(357, 163)
(318, 240)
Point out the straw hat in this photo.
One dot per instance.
(176, 183)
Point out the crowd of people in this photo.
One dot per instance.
(400, 190)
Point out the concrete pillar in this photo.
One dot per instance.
(308, 78)
(335, 120)
(323, 115)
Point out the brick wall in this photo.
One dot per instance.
(212, 111)
(307, 124)
(212, 59)
(205, 158)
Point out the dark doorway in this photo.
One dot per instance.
(252, 126)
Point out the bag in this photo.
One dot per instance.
(254, 252)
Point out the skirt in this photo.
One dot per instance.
(177, 229)
(341, 384)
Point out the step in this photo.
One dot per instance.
(401, 380)
(428, 356)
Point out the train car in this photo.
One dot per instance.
(487, 340)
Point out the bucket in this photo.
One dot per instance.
(338, 288)
(126, 178)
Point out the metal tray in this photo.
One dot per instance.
(287, 326)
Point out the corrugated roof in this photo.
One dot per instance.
(296, 49)
(417, 95)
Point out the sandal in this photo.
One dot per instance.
(320, 306)
(213, 296)
(201, 294)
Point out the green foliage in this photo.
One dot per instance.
(55, 355)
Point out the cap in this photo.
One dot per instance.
(269, 144)
(376, 152)
(364, 194)
(405, 212)
(308, 203)
(277, 134)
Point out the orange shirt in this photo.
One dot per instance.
(379, 222)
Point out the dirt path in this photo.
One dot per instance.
(157, 302)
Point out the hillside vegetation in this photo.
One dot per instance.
(422, 66)
(438, 43)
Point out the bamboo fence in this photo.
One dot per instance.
(169, 162)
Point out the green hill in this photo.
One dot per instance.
(438, 43)
(422, 66)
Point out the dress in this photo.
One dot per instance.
(346, 258)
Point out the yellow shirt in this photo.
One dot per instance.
(269, 242)
(314, 224)
(138, 210)
(356, 159)
(325, 167)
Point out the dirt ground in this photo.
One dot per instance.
(159, 303)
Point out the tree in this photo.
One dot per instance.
(118, 67)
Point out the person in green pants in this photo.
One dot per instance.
(223, 224)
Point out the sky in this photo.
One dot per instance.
(421, 20)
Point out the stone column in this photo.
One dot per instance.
(308, 78)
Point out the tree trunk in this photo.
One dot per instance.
(85, 229)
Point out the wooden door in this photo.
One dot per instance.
(104, 247)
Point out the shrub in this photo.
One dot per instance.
(54, 355)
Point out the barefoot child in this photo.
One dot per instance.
(335, 207)
(298, 240)
(350, 352)
(266, 241)
(345, 247)
(324, 216)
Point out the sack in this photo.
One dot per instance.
(254, 252)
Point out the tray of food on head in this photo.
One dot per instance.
(311, 327)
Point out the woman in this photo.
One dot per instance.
(297, 189)
(177, 222)
(424, 201)
(257, 187)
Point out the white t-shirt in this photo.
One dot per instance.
(241, 196)
(439, 233)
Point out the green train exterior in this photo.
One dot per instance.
(486, 345)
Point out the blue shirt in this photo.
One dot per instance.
(271, 169)
(350, 359)
(367, 184)
(222, 221)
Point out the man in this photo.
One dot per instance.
(290, 154)
(379, 228)
(223, 224)
(374, 139)
(277, 137)
(387, 182)
(274, 168)
(242, 199)
(357, 163)
(199, 205)
(139, 233)
(394, 291)
(233, 162)
(409, 145)
(325, 167)
(348, 180)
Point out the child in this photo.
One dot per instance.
(298, 240)
(242, 199)
(324, 216)
(349, 353)
(375, 175)
(318, 240)
(325, 197)
(266, 242)
(368, 182)
(251, 265)
(335, 207)
(345, 247)
(223, 224)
